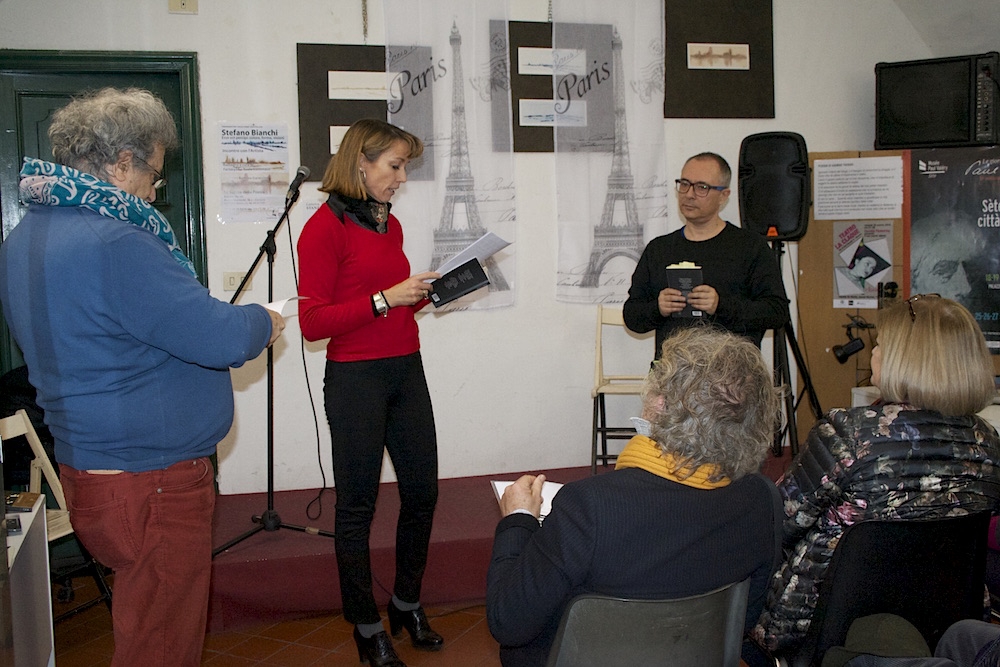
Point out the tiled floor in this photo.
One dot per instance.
(85, 640)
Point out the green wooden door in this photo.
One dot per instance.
(35, 83)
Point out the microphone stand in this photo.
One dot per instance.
(269, 519)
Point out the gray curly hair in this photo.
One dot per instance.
(711, 400)
(91, 131)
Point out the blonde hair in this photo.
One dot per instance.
(369, 137)
(710, 399)
(935, 359)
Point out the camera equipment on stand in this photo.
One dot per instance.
(269, 519)
(774, 202)
(853, 344)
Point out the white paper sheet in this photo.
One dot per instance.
(486, 246)
(279, 306)
(549, 491)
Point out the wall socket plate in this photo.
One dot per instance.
(182, 6)
(232, 279)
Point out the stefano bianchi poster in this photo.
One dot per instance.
(254, 172)
(955, 230)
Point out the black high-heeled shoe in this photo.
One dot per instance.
(416, 624)
(377, 650)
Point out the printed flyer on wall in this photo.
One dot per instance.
(862, 258)
(254, 172)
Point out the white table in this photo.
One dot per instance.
(31, 590)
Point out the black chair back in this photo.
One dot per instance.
(931, 572)
(700, 631)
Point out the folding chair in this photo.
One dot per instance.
(58, 519)
(604, 384)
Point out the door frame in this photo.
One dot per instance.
(184, 65)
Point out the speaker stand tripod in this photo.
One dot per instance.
(784, 338)
(269, 519)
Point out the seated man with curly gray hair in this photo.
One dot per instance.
(683, 513)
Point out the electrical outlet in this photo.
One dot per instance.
(182, 6)
(232, 279)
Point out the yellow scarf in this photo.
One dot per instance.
(643, 452)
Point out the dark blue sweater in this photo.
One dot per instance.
(626, 533)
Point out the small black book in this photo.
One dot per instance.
(684, 277)
(458, 282)
(14, 525)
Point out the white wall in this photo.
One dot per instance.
(511, 387)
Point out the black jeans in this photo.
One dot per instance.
(373, 406)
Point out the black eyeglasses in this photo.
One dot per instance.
(700, 189)
(917, 297)
(160, 179)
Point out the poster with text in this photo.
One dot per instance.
(955, 230)
(862, 258)
(254, 172)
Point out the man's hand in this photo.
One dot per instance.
(525, 493)
(705, 298)
(670, 301)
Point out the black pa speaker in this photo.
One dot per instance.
(774, 185)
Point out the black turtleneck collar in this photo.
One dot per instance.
(368, 213)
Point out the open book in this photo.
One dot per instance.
(549, 491)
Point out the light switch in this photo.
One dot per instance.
(182, 6)
(231, 280)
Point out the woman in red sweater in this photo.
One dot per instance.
(359, 293)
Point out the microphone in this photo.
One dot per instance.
(300, 175)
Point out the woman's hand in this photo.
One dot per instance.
(411, 291)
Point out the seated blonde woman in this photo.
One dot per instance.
(683, 513)
(921, 452)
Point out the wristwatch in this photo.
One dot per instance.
(380, 305)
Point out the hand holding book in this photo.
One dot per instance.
(684, 277)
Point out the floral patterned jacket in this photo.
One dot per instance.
(886, 461)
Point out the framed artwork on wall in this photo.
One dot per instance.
(338, 84)
(719, 59)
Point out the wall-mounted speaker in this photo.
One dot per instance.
(774, 185)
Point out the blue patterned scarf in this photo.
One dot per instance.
(51, 184)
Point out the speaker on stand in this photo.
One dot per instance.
(775, 195)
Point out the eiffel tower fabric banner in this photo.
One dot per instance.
(442, 66)
(607, 79)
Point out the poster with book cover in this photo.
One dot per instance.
(862, 258)
(955, 230)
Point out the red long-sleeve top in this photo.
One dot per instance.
(341, 264)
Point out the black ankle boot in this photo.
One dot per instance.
(416, 624)
(377, 650)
